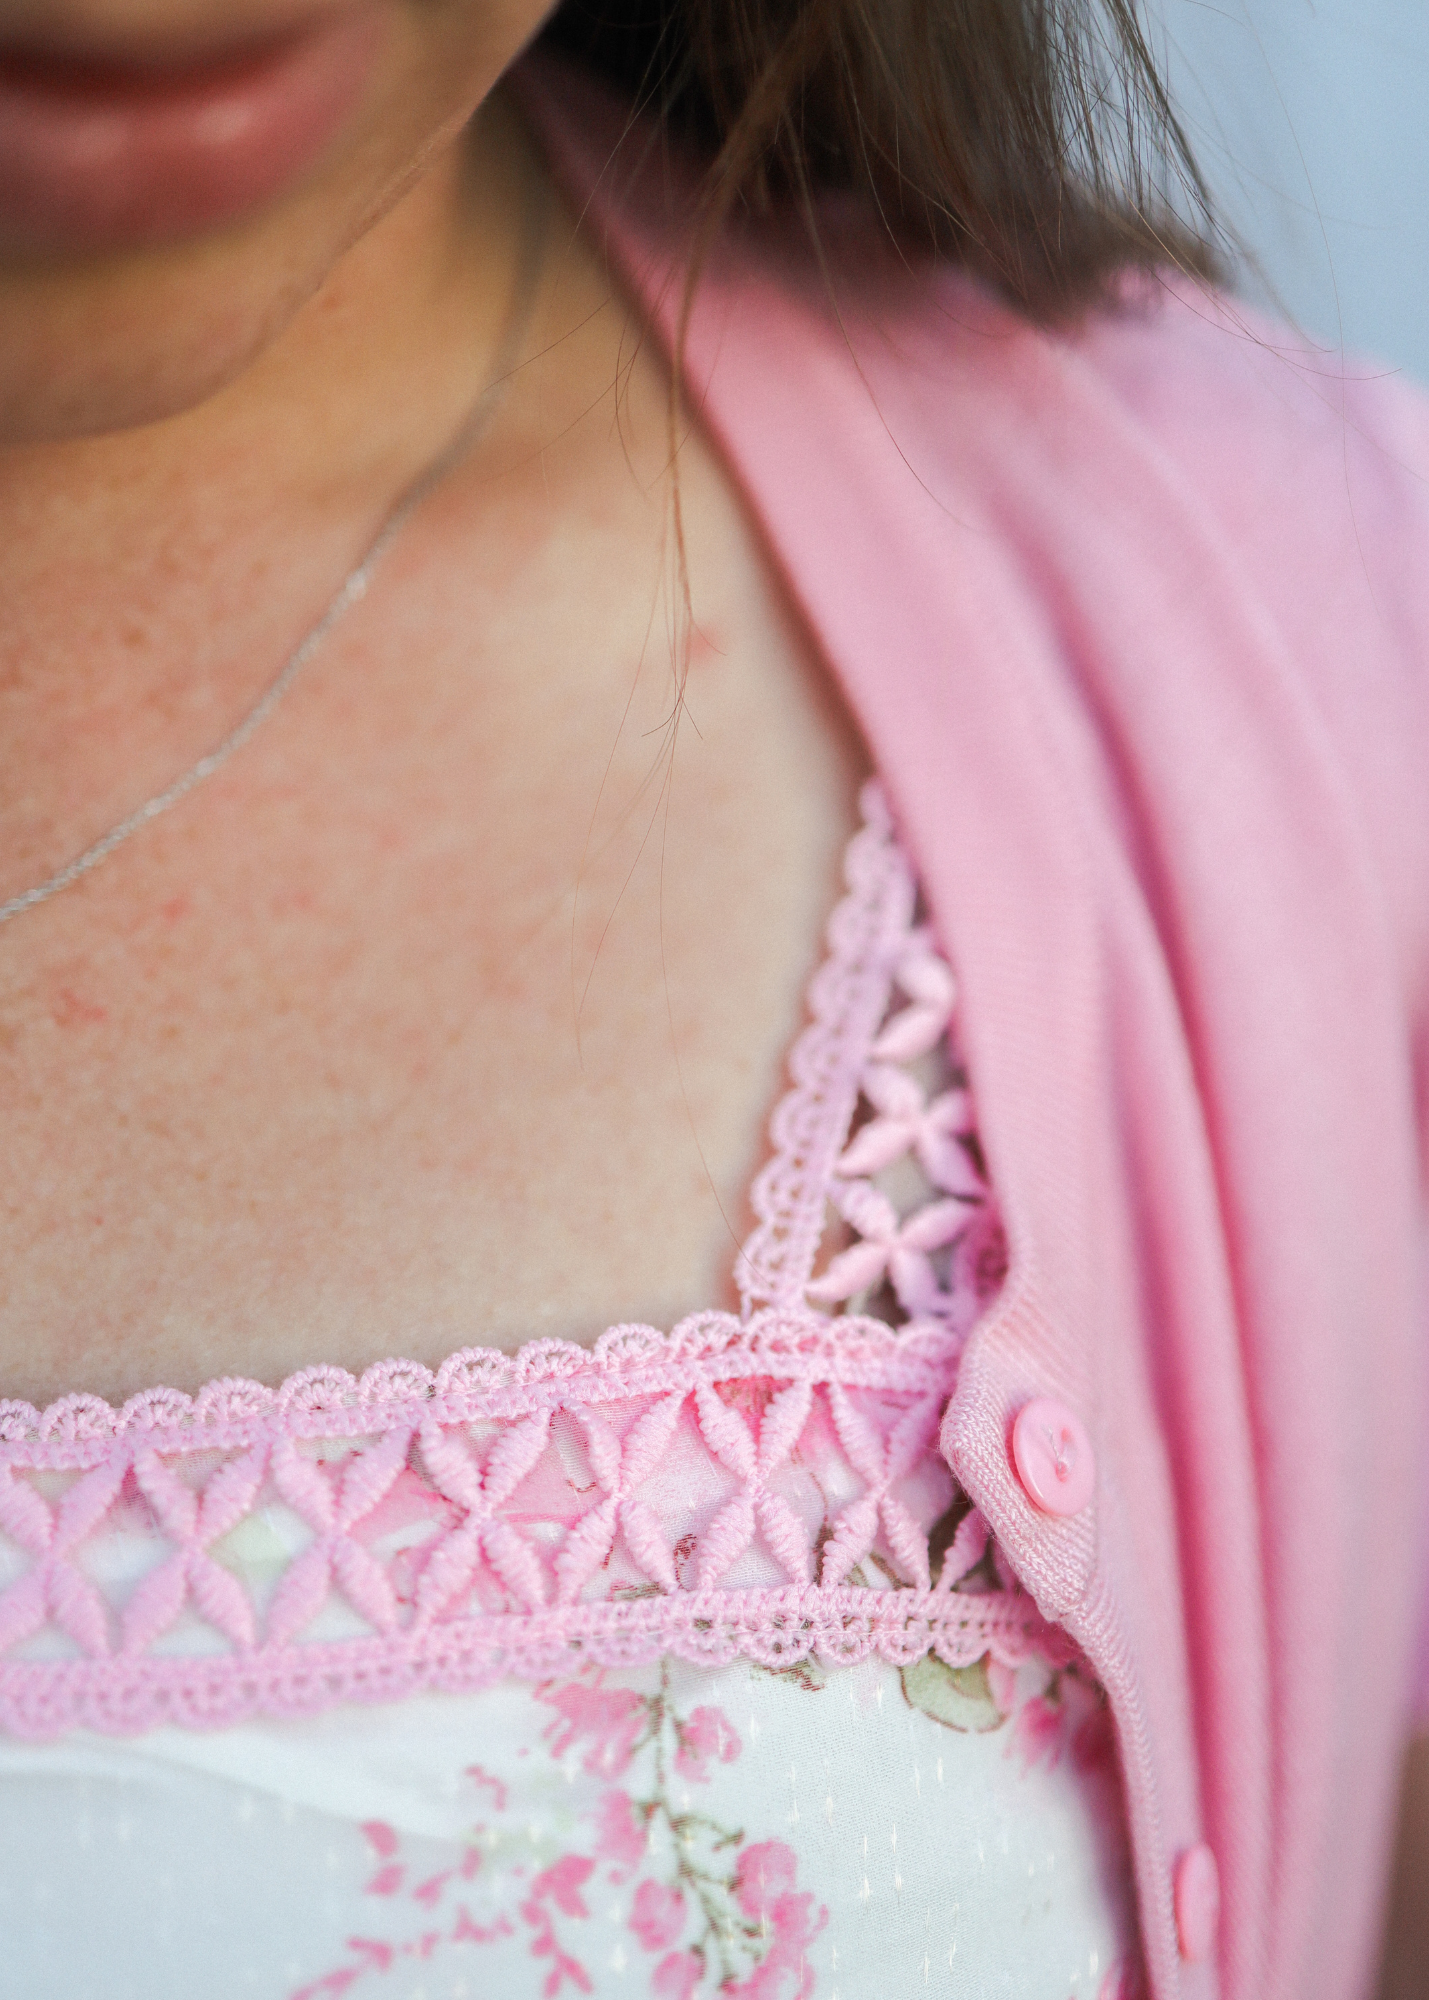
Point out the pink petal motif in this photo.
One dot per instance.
(514, 1455)
(928, 981)
(457, 1476)
(587, 1546)
(194, 1521)
(726, 1434)
(879, 1466)
(646, 1541)
(23, 1514)
(969, 1545)
(367, 1479)
(893, 1093)
(304, 1486)
(448, 1570)
(868, 1211)
(230, 1493)
(23, 1610)
(300, 1595)
(88, 1501)
(78, 1609)
(784, 1532)
(783, 1425)
(155, 1605)
(649, 1436)
(725, 1540)
(732, 1530)
(935, 1226)
(911, 1033)
(943, 1156)
(175, 1505)
(1038, 1733)
(222, 1600)
(907, 1541)
(516, 1563)
(856, 1434)
(912, 1435)
(853, 1270)
(451, 1467)
(364, 1584)
(850, 1541)
(875, 1147)
(53, 1589)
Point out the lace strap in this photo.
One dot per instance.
(848, 998)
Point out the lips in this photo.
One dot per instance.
(103, 154)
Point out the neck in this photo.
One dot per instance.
(154, 578)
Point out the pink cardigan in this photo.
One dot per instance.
(1136, 626)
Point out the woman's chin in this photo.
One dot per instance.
(162, 221)
(113, 343)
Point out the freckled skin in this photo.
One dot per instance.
(452, 1010)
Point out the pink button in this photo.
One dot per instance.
(1053, 1457)
(1198, 1903)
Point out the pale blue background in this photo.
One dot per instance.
(1311, 122)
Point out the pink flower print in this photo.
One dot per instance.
(676, 1977)
(764, 1889)
(545, 1944)
(1001, 1684)
(562, 1882)
(765, 1873)
(611, 1721)
(1093, 1743)
(658, 1916)
(1037, 1733)
(907, 1122)
(382, 1837)
(902, 1250)
(708, 1733)
(485, 1782)
(619, 1835)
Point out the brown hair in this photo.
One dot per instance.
(1031, 140)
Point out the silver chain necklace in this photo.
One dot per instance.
(351, 591)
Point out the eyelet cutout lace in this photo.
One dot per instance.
(767, 1485)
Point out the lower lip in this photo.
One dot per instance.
(103, 156)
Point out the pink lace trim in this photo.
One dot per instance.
(768, 1485)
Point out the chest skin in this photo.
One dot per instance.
(451, 1011)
